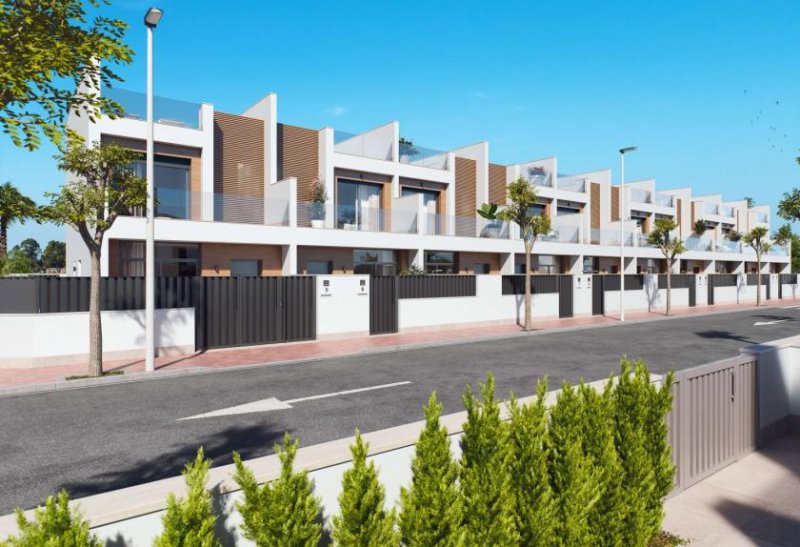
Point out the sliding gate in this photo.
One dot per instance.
(240, 311)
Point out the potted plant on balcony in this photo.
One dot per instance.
(537, 175)
(492, 229)
(348, 219)
(407, 150)
(319, 196)
(699, 227)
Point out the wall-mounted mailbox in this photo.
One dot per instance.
(326, 287)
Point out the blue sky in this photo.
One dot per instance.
(708, 90)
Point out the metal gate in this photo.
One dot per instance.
(565, 291)
(240, 311)
(598, 294)
(710, 285)
(714, 420)
(692, 292)
(383, 304)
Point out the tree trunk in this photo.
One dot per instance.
(528, 249)
(3, 239)
(669, 288)
(758, 281)
(95, 326)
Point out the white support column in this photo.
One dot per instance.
(416, 257)
(207, 163)
(325, 173)
(289, 257)
(507, 263)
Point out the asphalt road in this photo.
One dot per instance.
(102, 438)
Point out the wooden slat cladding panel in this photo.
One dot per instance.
(298, 156)
(679, 215)
(614, 203)
(466, 188)
(238, 168)
(595, 209)
(497, 184)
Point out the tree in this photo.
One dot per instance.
(522, 197)
(55, 255)
(535, 509)
(53, 59)
(789, 206)
(14, 207)
(189, 521)
(670, 247)
(485, 475)
(32, 251)
(55, 524)
(785, 236)
(283, 513)
(18, 262)
(104, 186)
(756, 239)
(597, 429)
(431, 510)
(574, 477)
(362, 520)
(750, 202)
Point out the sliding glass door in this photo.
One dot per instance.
(359, 206)
(430, 200)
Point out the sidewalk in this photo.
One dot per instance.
(18, 378)
(755, 501)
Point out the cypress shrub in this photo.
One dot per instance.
(362, 520)
(283, 513)
(597, 428)
(535, 510)
(53, 525)
(485, 475)
(189, 522)
(431, 510)
(574, 477)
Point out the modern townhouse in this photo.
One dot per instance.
(236, 197)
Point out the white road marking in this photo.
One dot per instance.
(789, 307)
(762, 323)
(268, 405)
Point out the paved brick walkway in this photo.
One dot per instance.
(274, 353)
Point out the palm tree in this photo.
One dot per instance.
(522, 197)
(14, 206)
(757, 240)
(670, 247)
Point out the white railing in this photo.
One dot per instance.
(639, 195)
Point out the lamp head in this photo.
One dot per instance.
(152, 17)
(628, 149)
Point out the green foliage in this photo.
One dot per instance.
(757, 240)
(431, 510)
(789, 205)
(53, 525)
(18, 262)
(407, 147)
(31, 249)
(575, 479)
(749, 201)
(699, 226)
(485, 471)
(14, 207)
(785, 235)
(55, 255)
(104, 188)
(362, 520)
(522, 197)
(283, 513)
(488, 211)
(53, 58)
(189, 521)
(640, 410)
(412, 269)
(319, 192)
(661, 238)
(535, 509)
(597, 430)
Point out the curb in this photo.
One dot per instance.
(69, 385)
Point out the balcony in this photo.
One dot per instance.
(365, 145)
(165, 111)
(762, 218)
(710, 208)
(538, 176)
(665, 200)
(728, 246)
(610, 237)
(726, 211)
(693, 243)
(778, 250)
(423, 157)
(639, 195)
(572, 184)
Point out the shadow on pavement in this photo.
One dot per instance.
(760, 524)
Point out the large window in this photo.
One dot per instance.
(319, 267)
(359, 206)
(172, 183)
(374, 261)
(441, 262)
(172, 259)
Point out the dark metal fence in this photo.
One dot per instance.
(383, 309)
(752, 279)
(633, 282)
(435, 286)
(679, 281)
(788, 279)
(71, 294)
(540, 284)
(722, 280)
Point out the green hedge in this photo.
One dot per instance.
(591, 470)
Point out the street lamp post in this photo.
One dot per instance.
(151, 19)
(622, 152)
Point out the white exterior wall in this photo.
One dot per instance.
(342, 305)
(582, 295)
(489, 304)
(36, 339)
